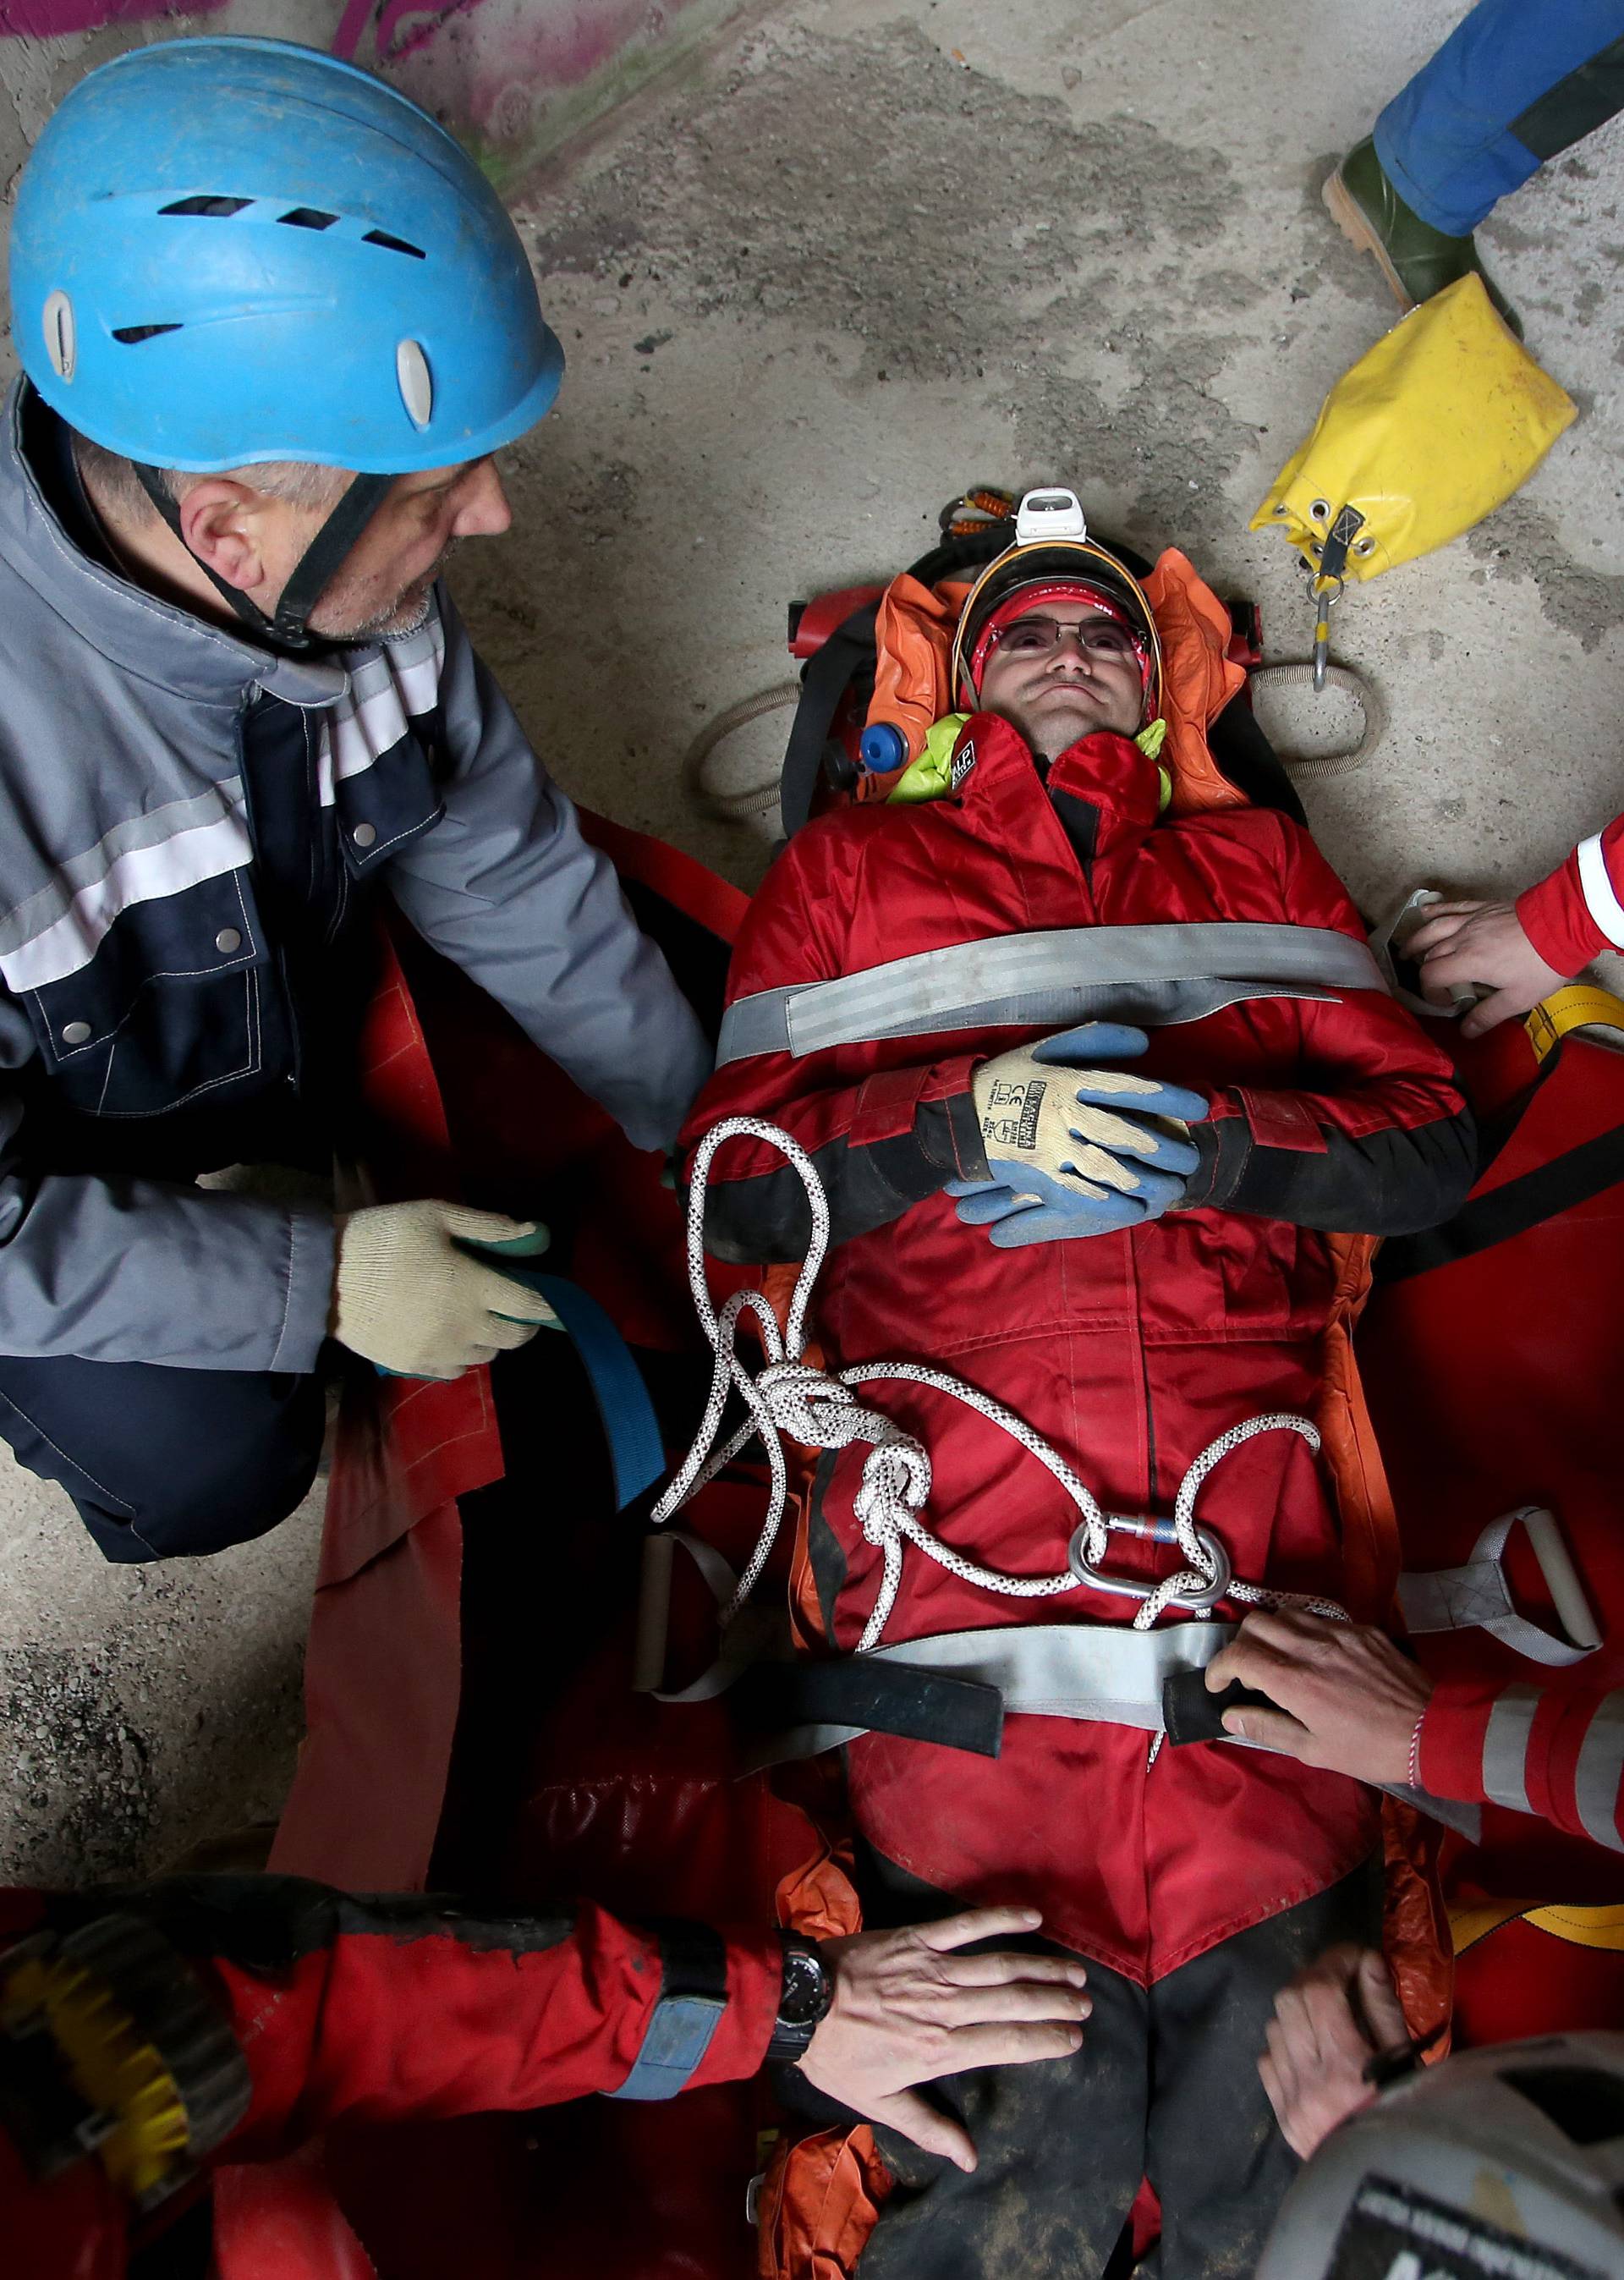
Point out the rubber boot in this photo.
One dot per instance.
(1416, 259)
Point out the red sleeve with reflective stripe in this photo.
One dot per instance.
(381, 2024)
(1561, 1749)
(1378, 1069)
(1575, 913)
(793, 934)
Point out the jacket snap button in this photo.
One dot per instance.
(229, 939)
(74, 1033)
(365, 834)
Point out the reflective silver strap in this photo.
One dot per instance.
(1099, 1673)
(1600, 1773)
(1157, 973)
(1476, 1596)
(1505, 1747)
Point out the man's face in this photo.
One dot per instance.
(1061, 670)
(383, 585)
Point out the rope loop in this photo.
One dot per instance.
(790, 1397)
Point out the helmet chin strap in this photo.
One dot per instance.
(311, 575)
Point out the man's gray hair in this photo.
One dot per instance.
(113, 483)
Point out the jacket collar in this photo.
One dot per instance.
(154, 640)
(1104, 772)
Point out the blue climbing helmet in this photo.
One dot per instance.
(232, 250)
(226, 252)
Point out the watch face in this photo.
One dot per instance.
(806, 1991)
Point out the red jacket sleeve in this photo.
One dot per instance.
(1378, 1141)
(378, 2008)
(881, 1143)
(1578, 912)
(1556, 1751)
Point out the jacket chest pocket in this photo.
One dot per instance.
(165, 1010)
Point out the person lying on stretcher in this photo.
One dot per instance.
(1133, 1230)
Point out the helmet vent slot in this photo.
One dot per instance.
(57, 321)
(1586, 2103)
(307, 218)
(416, 383)
(393, 244)
(210, 209)
(132, 335)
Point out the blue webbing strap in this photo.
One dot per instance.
(636, 1451)
(693, 1995)
(625, 1411)
(631, 1428)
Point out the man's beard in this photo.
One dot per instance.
(407, 613)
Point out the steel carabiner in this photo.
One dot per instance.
(1155, 1531)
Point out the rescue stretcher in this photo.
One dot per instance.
(471, 1720)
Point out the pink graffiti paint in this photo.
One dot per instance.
(44, 19)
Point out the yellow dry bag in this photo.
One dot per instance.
(1431, 430)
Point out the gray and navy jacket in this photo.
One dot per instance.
(186, 821)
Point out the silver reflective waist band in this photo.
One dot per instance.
(1146, 974)
(1094, 1672)
(1100, 1672)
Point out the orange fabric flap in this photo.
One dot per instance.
(820, 2200)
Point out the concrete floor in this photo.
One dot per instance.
(858, 259)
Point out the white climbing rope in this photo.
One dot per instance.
(821, 1411)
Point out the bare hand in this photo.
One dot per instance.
(1349, 1700)
(1328, 2026)
(907, 2010)
(1464, 943)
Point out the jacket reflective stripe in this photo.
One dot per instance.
(1505, 1747)
(180, 861)
(385, 692)
(1600, 1772)
(1601, 897)
(981, 984)
(76, 873)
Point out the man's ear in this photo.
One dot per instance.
(222, 523)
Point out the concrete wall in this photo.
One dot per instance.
(515, 79)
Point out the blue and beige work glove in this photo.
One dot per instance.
(409, 1295)
(1074, 1148)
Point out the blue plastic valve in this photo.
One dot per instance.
(882, 747)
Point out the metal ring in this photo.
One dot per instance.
(1318, 510)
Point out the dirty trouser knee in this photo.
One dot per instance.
(1165, 2085)
(1514, 83)
(163, 1462)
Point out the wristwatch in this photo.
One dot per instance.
(807, 1992)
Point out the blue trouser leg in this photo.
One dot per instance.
(164, 1462)
(1485, 112)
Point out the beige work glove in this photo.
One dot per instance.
(407, 1298)
(1049, 1108)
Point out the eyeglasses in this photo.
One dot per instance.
(1038, 637)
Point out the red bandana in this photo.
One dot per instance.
(1025, 598)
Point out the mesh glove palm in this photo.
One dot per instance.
(408, 1296)
(1074, 1148)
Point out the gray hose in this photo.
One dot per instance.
(749, 799)
(1324, 767)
